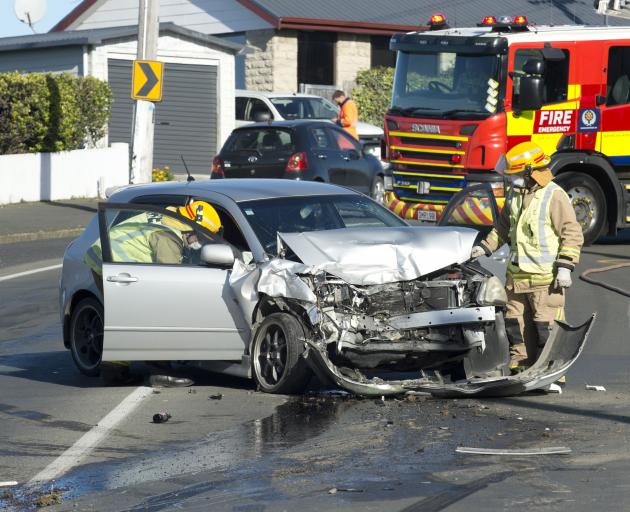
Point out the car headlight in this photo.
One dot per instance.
(492, 293)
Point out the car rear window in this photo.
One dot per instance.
(262, 140)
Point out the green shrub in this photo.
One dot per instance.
(373, 94)
(43, 112)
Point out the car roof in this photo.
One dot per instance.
(245, 189)
(259, 94)
(285, 124)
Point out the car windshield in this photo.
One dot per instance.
(296, 107)
(261, 141)
(445, 85)
(268, 217)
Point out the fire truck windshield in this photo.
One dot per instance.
(445, 85)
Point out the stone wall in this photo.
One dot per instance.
(352, 54)
(273, 64)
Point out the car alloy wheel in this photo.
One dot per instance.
(86, 336)
(277, 363)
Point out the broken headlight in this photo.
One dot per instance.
(491, 293)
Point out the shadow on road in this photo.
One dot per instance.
(565, 409)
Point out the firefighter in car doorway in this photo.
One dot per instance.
(151, 238)
(538, 221)
(348, 116)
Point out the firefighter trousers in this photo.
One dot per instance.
(528, 321)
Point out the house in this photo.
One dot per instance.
(191, 121)
(324, 42)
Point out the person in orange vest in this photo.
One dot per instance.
(348, 116)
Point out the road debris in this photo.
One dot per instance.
(554, 388)
(595, 388)
(9, 483)
(552, 450)
(161, 417)
(218, 396)
(168, 381)
(335, 490)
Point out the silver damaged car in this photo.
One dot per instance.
(304, 278)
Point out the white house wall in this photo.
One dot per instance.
(179, 50)
(206, 16)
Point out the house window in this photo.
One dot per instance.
(316, 52)
(618, 84)
(381, 54)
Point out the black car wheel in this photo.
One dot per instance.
(276, 355)
(378, 190)
(86, 336)
(588, 201)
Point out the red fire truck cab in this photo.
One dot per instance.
(462, 97)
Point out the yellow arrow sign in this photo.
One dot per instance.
(146, 83)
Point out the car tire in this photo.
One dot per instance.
(86, 336)
(378, 190)
(588, 201)
(277, 363)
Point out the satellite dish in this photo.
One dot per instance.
(30, 11)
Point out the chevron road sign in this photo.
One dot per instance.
(147, 80)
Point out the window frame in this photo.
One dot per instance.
(608, 104)
(104, 229)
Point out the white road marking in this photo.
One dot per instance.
(10, 483)
(82, 448)
(30, 272)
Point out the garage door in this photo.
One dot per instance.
(185, 120)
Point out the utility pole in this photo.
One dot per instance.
(143, 127)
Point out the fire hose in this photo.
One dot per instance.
(584, 276)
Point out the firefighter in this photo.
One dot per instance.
(348, 115)
(538, 221)
(151, 238)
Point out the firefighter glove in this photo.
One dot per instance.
(563, 278)
(477, 251)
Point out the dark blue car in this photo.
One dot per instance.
(304, 150)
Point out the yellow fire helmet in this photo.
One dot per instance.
(524, 157)
(173, 223)
(203, 214)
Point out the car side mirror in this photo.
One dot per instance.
(353, 154)
(217, 255)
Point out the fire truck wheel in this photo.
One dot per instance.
(589, 203)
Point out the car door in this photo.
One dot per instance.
(240, 107)
(161, 304)
(358, 172)
(476, 207)
(328, 161)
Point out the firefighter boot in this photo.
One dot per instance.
(518, 354)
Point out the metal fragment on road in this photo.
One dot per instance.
(218, 396)
(161, 417)
(552, 450)
(554, 388)
(595, 388)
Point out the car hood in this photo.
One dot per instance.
(366, 256)
(368, 130)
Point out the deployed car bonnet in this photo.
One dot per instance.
(365, 256)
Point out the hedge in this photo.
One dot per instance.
(45, 112)
(373, 94)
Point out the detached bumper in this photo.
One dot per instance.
(562, 349)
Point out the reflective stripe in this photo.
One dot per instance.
(542, 219)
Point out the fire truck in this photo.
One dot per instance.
(464, 96)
